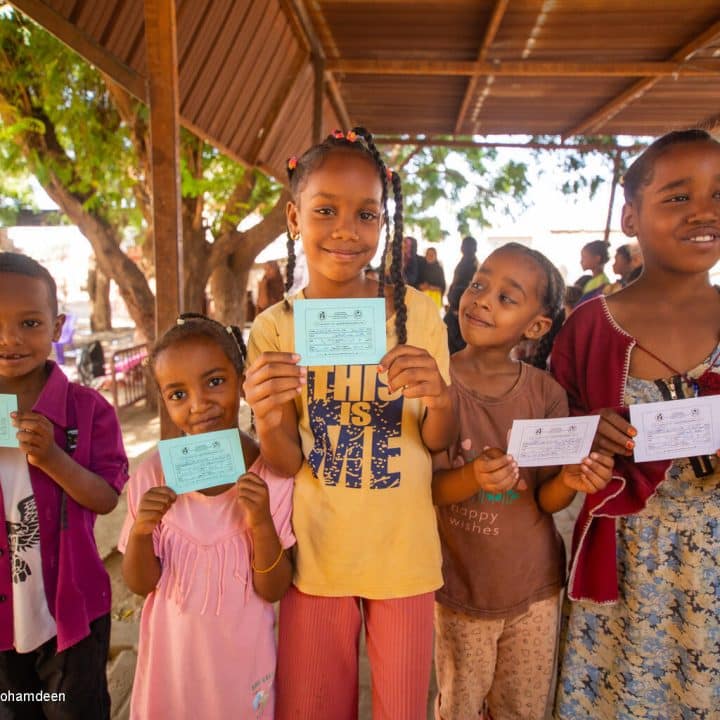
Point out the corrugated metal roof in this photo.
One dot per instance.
(246, 74)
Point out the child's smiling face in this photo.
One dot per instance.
(27, 325)
(199, 385)
(676, 215)
(502, 303)
(339, 215)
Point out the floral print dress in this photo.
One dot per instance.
(655, 654)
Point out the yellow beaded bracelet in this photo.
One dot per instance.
(272, 567)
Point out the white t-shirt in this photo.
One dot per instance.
(32, 622)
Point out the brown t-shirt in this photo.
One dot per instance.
(501, 552)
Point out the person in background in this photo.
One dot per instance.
(271, 286)
(572, 297)
(593, 258)
(432, 277)
(411, 262)
(462, 276)
(627, 266)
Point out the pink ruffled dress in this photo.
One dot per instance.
(207, 644)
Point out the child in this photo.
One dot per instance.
(357, 438)
(503, 560)
(642, 638)
(593, 257)
(70, 466)
(210, 562)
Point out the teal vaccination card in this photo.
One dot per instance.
(8, 404)
(196, 462)
(340, 331)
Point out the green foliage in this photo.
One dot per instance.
(471, 182)
(82, 140)
(573, 166)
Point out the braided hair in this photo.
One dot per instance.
(552, 299)
(358, 140)
(194, 325)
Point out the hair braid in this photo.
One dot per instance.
(396, 267)
(290, 268)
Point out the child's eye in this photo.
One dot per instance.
(324, 211)
(215, 381)
(507, 300)
(177, 395)
(368, 215)
(678, 198)
(476, 286)
(31, 323)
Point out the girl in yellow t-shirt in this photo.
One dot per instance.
(357, 438)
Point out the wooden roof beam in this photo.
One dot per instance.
(74, 38)
(490, 32)
(526, 68)
(444, 141)
(300, 18)
(608, 111)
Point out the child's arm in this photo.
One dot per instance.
(272, 569)
(36, 436)
(140, 567)
(492, 471)
(271, 384)
(591, 475)
(416, 372)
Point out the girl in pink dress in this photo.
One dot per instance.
(212, 561)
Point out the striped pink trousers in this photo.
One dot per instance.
(317, 675)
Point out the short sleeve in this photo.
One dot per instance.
(431, 331)
(107, 453)
(147, 475)
(556, 403)
(264, 336)
(280, 491)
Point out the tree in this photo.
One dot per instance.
(86, 140)
(471, 180)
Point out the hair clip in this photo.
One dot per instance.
(180, 321)
(228, 329)
(389, 173)
(292, 162)
(352, 136)
(338, 134)
(622, 181)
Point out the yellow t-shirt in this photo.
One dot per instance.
(362, 508)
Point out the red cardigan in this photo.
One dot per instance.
(590, 359)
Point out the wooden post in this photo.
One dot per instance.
(613, 188)
(318, 95)
(161, 48)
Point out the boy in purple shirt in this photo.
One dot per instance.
(70, 465)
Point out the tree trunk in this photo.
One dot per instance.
(99, 292)
(231, 258)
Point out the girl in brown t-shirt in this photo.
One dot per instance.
(503, 561)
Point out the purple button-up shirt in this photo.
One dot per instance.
(76, 583)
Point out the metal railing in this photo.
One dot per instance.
(128, 376)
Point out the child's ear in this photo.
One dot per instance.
(58, 326)
(538, 327)
(628, 220)
(293, 220)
